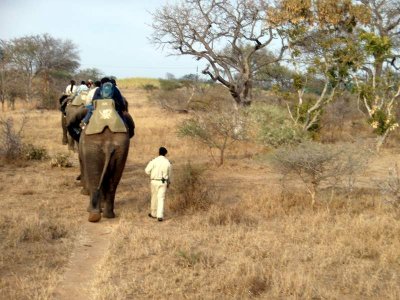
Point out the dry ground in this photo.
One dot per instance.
(252, 242)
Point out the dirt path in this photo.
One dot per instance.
(91, 245)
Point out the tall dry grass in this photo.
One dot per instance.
(137, 82)
(259, 247)
(253, 241)
(41, 212)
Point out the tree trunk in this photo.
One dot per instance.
(381, 140)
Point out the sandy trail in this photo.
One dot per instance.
(91, 246)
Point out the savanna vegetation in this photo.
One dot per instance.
(286, 180)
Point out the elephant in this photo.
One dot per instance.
(103, 154)
(66, 138)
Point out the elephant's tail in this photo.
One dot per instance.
(109, 153)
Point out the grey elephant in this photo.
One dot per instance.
(66, 137)
(103, 151)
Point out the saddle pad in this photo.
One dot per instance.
(104, 116)
(79, 100)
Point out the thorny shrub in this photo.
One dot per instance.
(11, 145)
(189, 189)
(390, 187)
(215, 129)
(61, 160)
(316, 163)
(31, 152)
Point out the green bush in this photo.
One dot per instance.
(273, 126)
(215, 129)
(148, 87)
(31, 152)
(61, 161)
(169, 85)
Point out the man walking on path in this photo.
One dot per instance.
(159, 170)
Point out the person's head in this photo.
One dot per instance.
(104, 80)
(97, 83)
(107, 90)
(89, 83)
(83, 82)
(162, 151)
(72, 82)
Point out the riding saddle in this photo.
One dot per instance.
(105, 115)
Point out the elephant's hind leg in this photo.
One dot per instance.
(109, 204)
(94, 207)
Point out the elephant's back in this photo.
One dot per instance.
(120, 140)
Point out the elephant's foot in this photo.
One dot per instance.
(84, 191)
(108, 214)
(94, 217)
(89, 209)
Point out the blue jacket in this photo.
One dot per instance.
(117, 97)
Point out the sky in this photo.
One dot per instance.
(112, 36)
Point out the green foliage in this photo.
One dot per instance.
(377, 46)
(61, 161)
(303, 109)
(381, 122)
(298, 81)
(195, 129)
(215, 129)
(31, 152)
(148, 87)
(169, 84)
(274, 128)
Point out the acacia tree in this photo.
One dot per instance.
(20, 55)
(378, 87)
(39, 56)
(320, 43)
(225, 33)
(54, 56)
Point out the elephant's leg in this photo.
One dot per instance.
(95, 210)
(116, 168)
(71, 143)
(64, 129)
(109, 204)
(92, 164)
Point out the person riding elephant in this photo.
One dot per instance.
(103, 150)
(109, 89)
(67, 96)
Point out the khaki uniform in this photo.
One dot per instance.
(159, 170)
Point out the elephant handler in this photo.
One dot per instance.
(159, 170)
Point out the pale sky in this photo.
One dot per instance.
(110, 35)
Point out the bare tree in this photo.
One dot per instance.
(224, 33)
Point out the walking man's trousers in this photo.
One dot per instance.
(158, 190)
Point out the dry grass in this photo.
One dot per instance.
(253, 241)
(137, 83)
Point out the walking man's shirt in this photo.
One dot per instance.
(159, 170)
